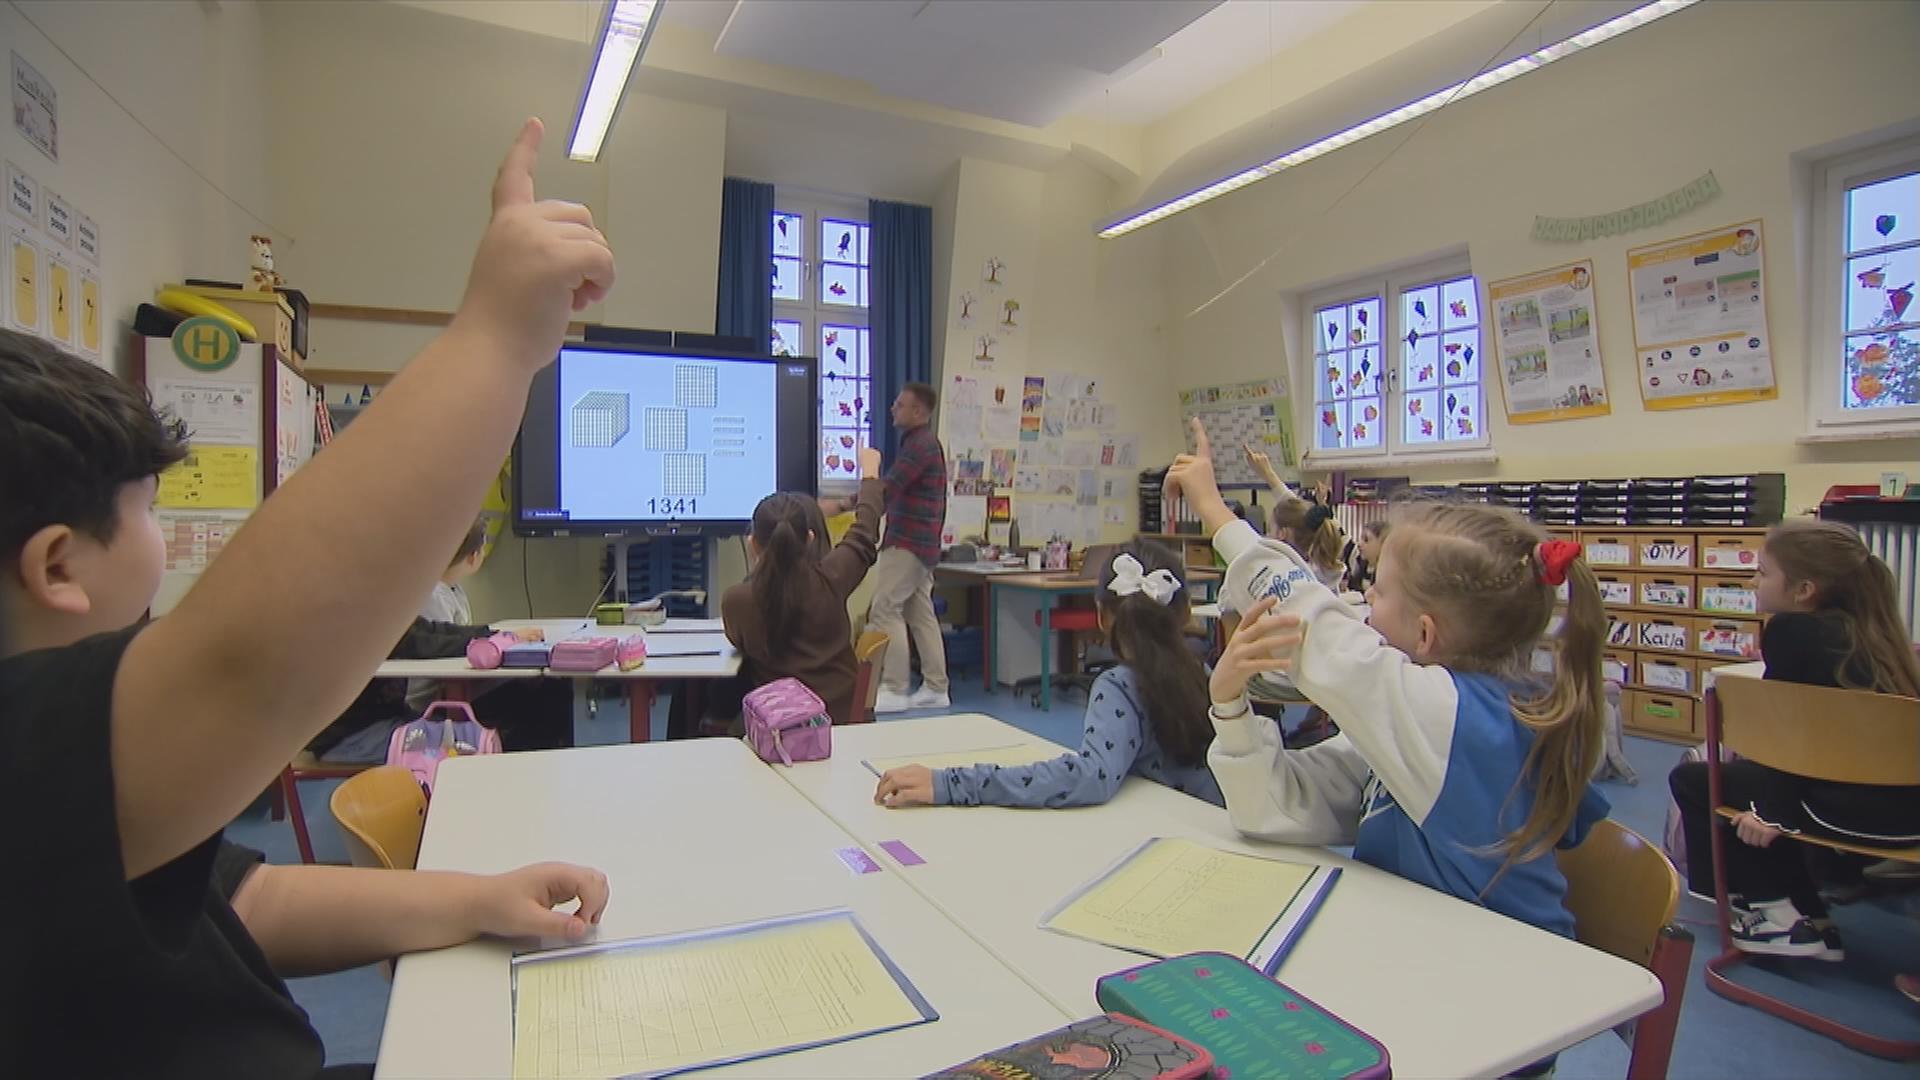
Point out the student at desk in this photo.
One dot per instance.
(1146, 717)
(144, 945)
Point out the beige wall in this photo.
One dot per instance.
(196, 75)
(389, 122)
(1593, 133)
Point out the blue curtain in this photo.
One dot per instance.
(745, 295)
(900, 307)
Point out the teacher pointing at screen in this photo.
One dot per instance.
(903, 576)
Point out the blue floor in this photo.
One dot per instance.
(1717, 1037)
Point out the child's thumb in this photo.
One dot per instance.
(546, 922)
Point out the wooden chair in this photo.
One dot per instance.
(382, 812)
(1622, 892)
(1859, 738)
(866, 682)
(305, 766)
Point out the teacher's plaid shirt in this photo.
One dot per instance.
(917, 496)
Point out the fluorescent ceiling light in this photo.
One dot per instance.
(1518, 66)
(624, 32)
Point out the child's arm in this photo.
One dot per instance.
(1310, 796)
(1263, 465)
(284, 628)
(313, 920)
(1398, 715)
(853, 556)
(426, 639)
(1087, 777)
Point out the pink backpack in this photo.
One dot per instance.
(786, 722)
(419, 746)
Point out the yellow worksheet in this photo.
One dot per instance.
(1174, 896)
(1022, 754)
(212, 478)
(663, 1005)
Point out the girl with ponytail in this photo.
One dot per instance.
(1833, 623)
(1306, 525)
(1146, 717)
(789, 618)
(1455, 765)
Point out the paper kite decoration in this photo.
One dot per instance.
(1872, 279)
(1413, 338)
(1333, 332)
(1372, 413)
(1420, 308)
(1426, 373)
(1454, 368)
(1357, 335)
(1899, 298)
(1885, 224)
(1327, 417)
(837, 289)
(1459, 309)
(833, 338)
(840, 355)
(845, 239)
(1359, 431)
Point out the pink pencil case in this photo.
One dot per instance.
(526, 654)
(632, 652)
(583, 654)
(488, 652)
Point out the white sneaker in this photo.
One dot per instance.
(890, 702)
(924, 698)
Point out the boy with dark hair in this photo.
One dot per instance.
(146, 945)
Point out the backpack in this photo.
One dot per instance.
(786, 722)
(420, 745)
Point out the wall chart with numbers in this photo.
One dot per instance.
(1257, 414)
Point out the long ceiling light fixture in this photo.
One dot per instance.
(625, 29)
(1514, 68)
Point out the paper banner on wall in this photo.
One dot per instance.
(1546, 346)
(212, 478)
(1257, 413)
(1700, 320)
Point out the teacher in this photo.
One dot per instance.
(903, 576)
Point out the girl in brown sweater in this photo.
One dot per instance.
(789, 618)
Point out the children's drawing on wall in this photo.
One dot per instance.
(1010, 317)
(967, 301)
(992, 275)
(983, 349)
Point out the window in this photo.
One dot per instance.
(820, 284)
(1866, 351)
(1400, 378)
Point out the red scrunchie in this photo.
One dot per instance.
(1555, 556)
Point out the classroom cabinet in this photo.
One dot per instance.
(1679, 603)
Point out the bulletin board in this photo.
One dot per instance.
(1256, 414)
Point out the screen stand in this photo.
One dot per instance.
(621, 546)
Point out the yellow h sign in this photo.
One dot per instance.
(205, 344)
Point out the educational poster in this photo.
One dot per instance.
(1547, 343)
(293, 422)
(193, 538)
(212, 477)
(1700, 319)
(1256, 413)
(214, 411)
(23, 281)
(90, 333)
(36, 108)
(60, 300)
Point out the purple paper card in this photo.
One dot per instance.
(858, 860)
(903, 854)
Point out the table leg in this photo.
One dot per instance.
(993, 657)
(1046, 652)
(639, 710)
(986, 636)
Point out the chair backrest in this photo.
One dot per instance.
(866, 688)
(383, 812)
(1847, 736)
(1621, 891)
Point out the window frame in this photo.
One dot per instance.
(1828, 418)
(1389, 286)
(812, 314)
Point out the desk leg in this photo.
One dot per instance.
(1046, 652)
(986, 637)
(993, 657)
(639, 710)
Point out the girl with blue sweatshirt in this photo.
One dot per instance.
(1453, 767)
(1147, 725)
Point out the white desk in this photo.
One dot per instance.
(743, 845)
(1450, 988)
(718, 660)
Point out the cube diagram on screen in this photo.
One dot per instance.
(600, 419)
(706, 446)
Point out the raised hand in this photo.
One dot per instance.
(538, 263)
(1264, 643)
(1191, 477)
(869, 463)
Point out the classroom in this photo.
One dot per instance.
(1307, 538)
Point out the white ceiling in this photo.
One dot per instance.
(1024, 61)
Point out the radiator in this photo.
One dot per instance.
(1898, 545)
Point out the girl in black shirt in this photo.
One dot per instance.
(1833, 624)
